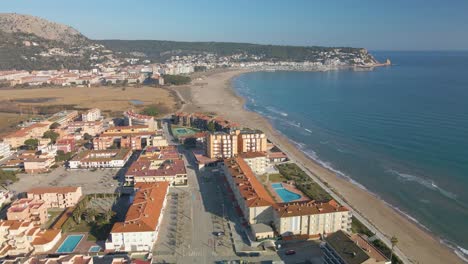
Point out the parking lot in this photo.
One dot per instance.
(98, 181)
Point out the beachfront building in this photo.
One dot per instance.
(134, 119)
(163, 164)
(257, 161)
(341, 248)
(56, 197)
(111, 158)
(27, 209)
(133, 137)
(221, 145)
(252, 141)
(91, 115)
(311, 219)
(5, 150)
(252, 198)
(17, 138)
(140, 229)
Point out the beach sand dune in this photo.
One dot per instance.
(213, 93)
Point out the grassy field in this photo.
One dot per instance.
(105, 98)
(274, 177)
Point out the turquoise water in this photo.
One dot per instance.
(70, 243)
(94, 249)
(285, 195)
(400, 132)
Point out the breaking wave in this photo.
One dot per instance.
(430, 184)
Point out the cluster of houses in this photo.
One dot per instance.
(242, 154)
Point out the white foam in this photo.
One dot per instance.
(430, 184)
(276, 111)
(308, 130)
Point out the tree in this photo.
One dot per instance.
(54, 125)
(108, 215)
(150, 111)
(31, 143)
(52, 135)
(77, 215)
(394, 241)
(90, 215)
(211, 126)
(87, 137)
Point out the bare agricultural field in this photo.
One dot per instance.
(108, 99)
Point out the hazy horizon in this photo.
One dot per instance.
(397, 25)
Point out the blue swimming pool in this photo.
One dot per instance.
(94, 249)
(70, 243)
(286, 196)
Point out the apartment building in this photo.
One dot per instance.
(252, 141)
(38, 164)
(64, 117)
(311, 218)
(140, 229)
(5, 150)
(27, 209)
(251, 196)
(221, 145)
(133, 137)
(92, 128)
(18, 237)
(134, 119)
(112, 158)
(17, 138)
(342, 248)
(158, 165)
(66, 145)
(257, 161)
(91, 115)
(56, 197)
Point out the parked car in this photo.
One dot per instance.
(290, 252)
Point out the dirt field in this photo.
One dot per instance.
(105, 98)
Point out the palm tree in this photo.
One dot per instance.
(394, 241)
(77, 215)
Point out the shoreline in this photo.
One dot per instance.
(214, 93)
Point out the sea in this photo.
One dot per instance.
(399, 132)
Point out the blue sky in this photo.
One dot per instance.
(372, 24)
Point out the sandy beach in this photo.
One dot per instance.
(213, 93)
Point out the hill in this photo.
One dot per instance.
(32, 43)
(26, 24)
(160, 51)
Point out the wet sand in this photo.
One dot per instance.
(213, 93)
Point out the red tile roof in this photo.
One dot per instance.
(143, 215)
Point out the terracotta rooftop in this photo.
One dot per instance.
(308, 208)
(253, 192)
(143, 215)
(251, 155)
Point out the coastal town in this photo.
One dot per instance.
(138, 189)
(113, 70)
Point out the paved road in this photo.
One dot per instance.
(356, 214)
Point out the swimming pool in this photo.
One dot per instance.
(94, 249)
(70, 243)
(286, 196)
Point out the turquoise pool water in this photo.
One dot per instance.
(181, 131)
(94, 249)
(285, 195)
(69, 244)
